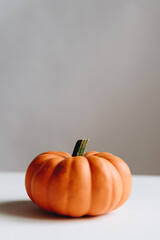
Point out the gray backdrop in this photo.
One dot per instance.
(73, 69)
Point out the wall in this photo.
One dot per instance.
(73, 69)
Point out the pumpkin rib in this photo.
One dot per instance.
(90, 153)
(123, 198)
(30, 171)
(41, 181)
(34, 176)
(125, 194)
(33, 165)
(117, 185)
(91, 187)
(68, 189)
(57, 153)
(123, 170)
(57, 193)
(68, 186)
(79, 187)
(100, 177)
(113, 170)
(49, 182)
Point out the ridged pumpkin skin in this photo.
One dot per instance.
(93, 184)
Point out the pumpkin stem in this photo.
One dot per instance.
(80, 147)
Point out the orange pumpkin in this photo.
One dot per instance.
(82, 184)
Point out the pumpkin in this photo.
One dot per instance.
(82, 184)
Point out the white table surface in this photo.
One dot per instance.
(138, 218)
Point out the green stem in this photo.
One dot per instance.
(80, 147)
